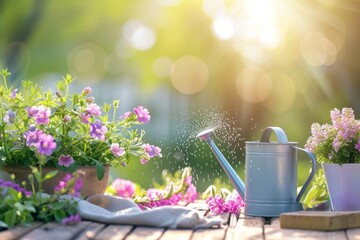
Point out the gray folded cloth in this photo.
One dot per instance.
(117, 210)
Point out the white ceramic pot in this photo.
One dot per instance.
(343, 184)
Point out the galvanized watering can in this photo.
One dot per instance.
(270, 174)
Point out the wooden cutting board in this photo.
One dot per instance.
(320, 220)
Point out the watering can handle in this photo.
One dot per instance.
(280, 134)
(312, 173)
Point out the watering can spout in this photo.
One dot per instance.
(235, 180)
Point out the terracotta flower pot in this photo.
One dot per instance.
(91, 185)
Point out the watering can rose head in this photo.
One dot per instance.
(68, 130)
(338, 142)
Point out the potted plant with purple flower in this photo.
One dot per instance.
(68, 131)
(337, 147)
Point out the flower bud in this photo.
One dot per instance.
(66, 119)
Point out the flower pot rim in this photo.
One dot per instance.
(329, 163)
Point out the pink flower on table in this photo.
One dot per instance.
(216, 204)
(191, 194)
(93, 109)
(142, 114)
(46, 144)
(124, 188)
(32, 111)
(65, 160)
(43, 114)
(234, 203)
(97, 130)
(116, 150)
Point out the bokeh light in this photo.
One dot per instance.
(139, 35)
(87, 62)
(162, 66)
(253, 85)
(189, 74)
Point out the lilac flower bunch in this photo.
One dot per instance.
(338, 142)
(176, 188)
(223, 200)
(68, 130)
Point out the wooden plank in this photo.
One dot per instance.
(320, 220)
(18, 231)
(145, 233)
(274, 231)
(90, 231)
(177, 234)
(247, 228)
(55, 231)
(212, 233)
(114, 232)
(353, 234)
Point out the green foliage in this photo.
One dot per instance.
(70, 123)
(18, 206)
(318, 193)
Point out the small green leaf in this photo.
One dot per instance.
(50, 174)
(10, 217)
(72, 134)
(100, 171)
(59, 215)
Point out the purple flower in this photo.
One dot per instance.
(6, 184)
(116, 150)
(32, 111)
(10, 117)
(357, 145)
(97, 130)
(78, 185)
(142, 114)
(152, 150)
(65, 160)
(124, 188)
(13, 94)
(46, 144)
(71, 220)
(85, 117)
(43, 114)
(144, 161)
(61, 186)
(32, 136)
(93, 109)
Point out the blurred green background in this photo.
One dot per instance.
(241, 65)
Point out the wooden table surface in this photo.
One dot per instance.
(242, 227)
